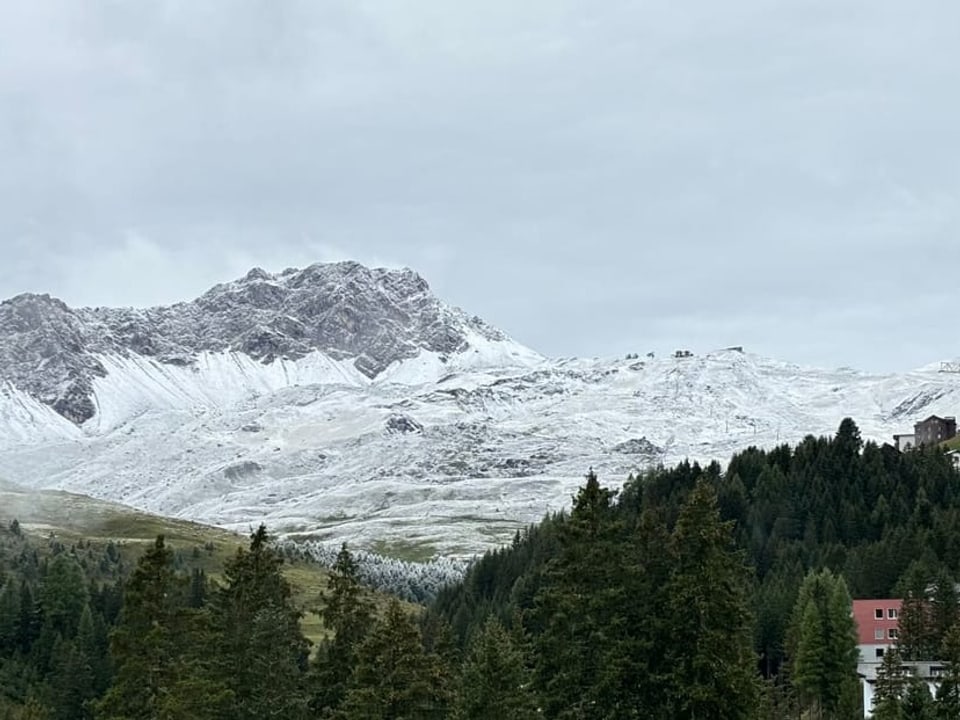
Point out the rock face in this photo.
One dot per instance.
(373, 317)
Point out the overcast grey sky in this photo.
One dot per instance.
(594, 177)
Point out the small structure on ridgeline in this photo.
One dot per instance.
(932, 431)
(935, 430)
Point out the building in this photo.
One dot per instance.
(935, 430)
(905, 442)
(931, 671)
(878, 627)
(954, 456)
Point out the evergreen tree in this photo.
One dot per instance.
(348, 614)
(72, 683)
(822, 644)
(259, 629)
(496, 681)
(917, 702)
(890, 688)
(9, 618)
(145, 643)
(711, 658)
(917, 635)
(943, 606)
(948, 692)
(580, 611)
(63, 595)
(395, 679)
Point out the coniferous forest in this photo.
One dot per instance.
(693, 592)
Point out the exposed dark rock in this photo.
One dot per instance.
(242, 470)
(640, 446)
(403, 424)
(373, 316)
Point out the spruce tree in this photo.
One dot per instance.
(581, 610)
(917, 702)
(144, 645)
(9, 618)
(890, 687)
(948, 692)
(496, 682)
(822, 645)
(348, 614)
(711, 660)
(395, 679)
(259, 631)
(917, 635)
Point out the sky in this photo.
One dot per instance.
(593, 178)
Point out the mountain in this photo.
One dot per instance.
(372, 318)
(345, 403)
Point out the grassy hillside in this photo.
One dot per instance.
(70, 518)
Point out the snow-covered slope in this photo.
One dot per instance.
(447, 449)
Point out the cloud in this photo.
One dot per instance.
(583, 175)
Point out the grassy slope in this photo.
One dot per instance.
(77, 517)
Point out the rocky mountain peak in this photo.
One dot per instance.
(374, 316)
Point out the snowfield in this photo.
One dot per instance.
(444, 455)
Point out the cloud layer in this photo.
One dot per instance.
(594, 178)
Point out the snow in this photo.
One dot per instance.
(507, 435)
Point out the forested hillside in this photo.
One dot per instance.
(692, 593)
(614, 573)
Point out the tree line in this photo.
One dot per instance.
(692, 592)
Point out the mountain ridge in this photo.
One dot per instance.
(448, 449)
(371, 317)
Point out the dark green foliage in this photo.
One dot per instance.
(668, 599)
(395, 678)
(145, 645)
(948, 693)
(348, 614)
(710, 657)
(918, 639)
(581, 611)
(262, 653)
(890, 688)
(496, 682)
(822, 644)
(917, 702)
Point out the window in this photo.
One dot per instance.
(878, 614)
(892, 613)
(893, 634)
(878, 634)
(879, 653)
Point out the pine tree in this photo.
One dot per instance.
(943, 606)
(395, 679)
(144, 645)
(581, 610)
(496, 681)
(71, 683)
(822, 645)
(63, 595)
(348, 614)
(890, 688)
(259, 632)
(917, 638)
(711, 659)
(809, 669)
(948, 692)
(917, 702)
(9, 618)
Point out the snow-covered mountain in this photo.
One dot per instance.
(347, 403)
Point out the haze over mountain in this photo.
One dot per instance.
(351, 403)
